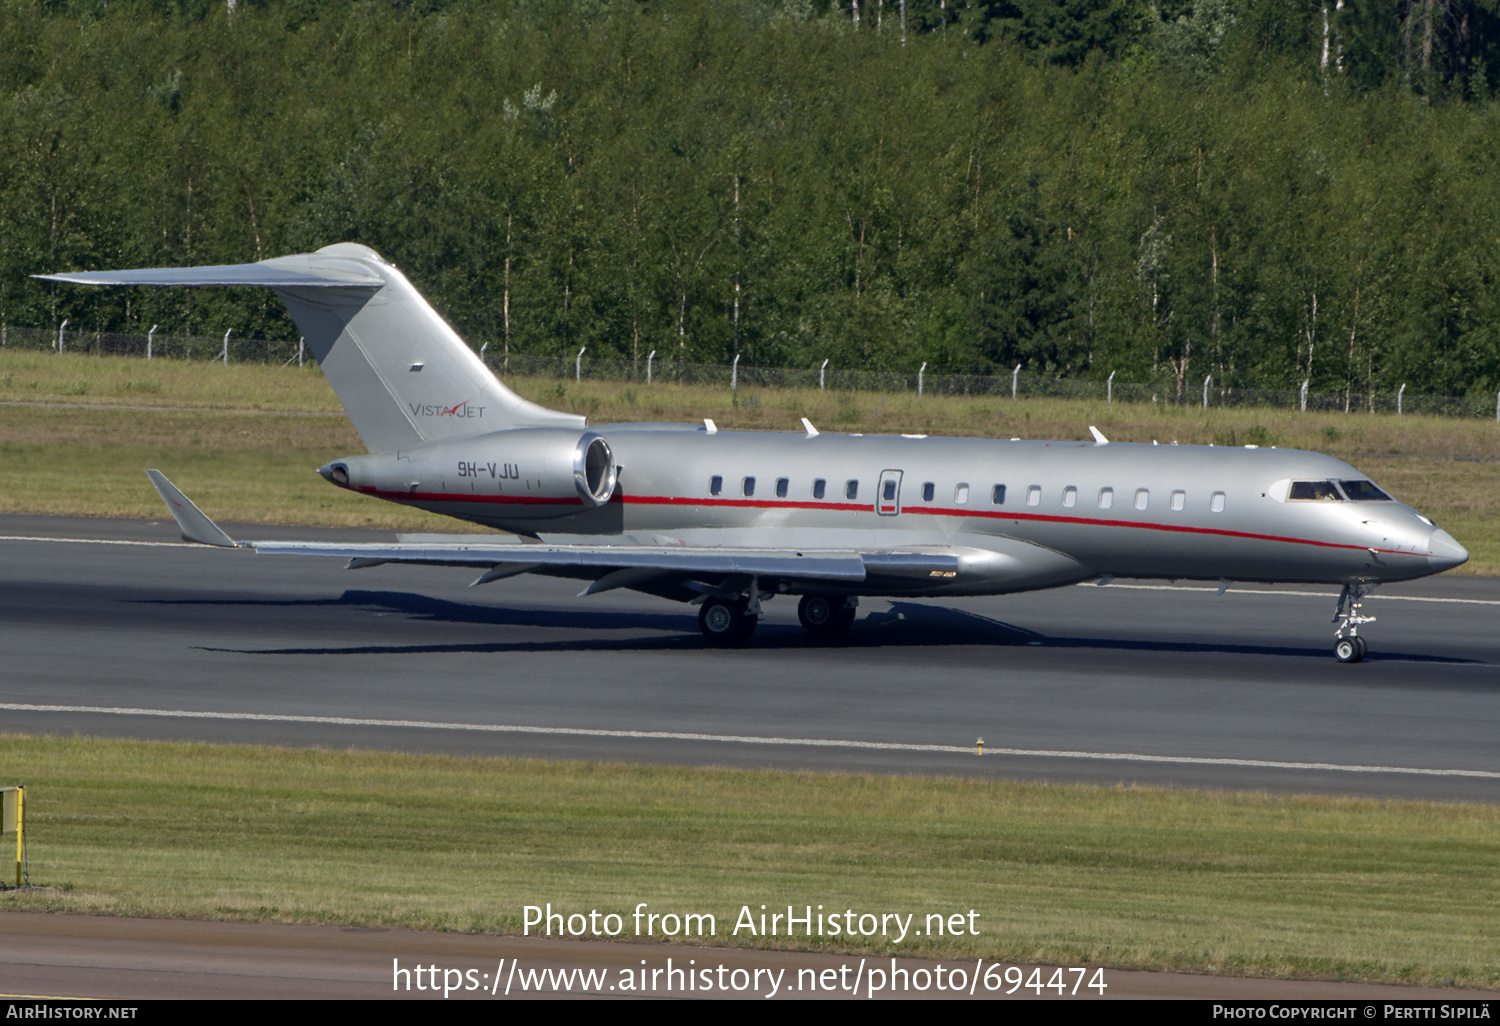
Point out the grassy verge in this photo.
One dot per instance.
(243, 440)
(1123, 877)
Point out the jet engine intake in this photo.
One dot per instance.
(594, 470)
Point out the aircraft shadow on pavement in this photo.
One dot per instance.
(906, 623)
(903, 624)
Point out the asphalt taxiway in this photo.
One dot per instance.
(114, 628)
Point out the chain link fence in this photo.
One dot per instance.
(155, 345)
(159, 345)
(1016, 385)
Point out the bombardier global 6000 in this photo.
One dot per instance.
(730, 519)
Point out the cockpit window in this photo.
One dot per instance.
(1363, 491)
(1319, 491)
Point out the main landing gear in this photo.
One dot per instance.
(1348, 646)
(729, 620)
(826, 615)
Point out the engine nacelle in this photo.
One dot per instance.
(502, 477)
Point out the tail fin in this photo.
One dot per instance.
(403, 375)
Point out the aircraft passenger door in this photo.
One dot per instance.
(888, 494)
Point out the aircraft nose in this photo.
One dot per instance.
(1443, 553)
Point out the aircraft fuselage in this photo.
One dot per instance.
(1029, 514)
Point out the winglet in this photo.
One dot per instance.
(812, 432)
(190, 519)
(1099, 438)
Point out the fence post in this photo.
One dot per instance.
(1109, 389)
(1205, 390)
(920, 372)
(1015, 376)
(301, 345)
(821, 370)
(578, 364)
(226, 347)
(60, 329)
(1398, 398)
(1302, 402)
(149, 336)
(734, 373)
(648, 366)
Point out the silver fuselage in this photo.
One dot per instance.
(1070, 511)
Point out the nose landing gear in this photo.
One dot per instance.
(1348, 646)
(1349, 650)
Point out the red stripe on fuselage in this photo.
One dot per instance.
(850, 507)
(673, 500)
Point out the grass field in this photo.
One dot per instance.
(1122, 877)
(243, 441)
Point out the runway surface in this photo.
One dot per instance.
(113, 628)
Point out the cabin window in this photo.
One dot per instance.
(715, 485)
(928, 491)
(961, 494)
(1179, 500)
(1316, 491)
(1034, 495)
(1216, 502)
(851, 490)
(820, 488)
(782, 484)
(997, 496)
(1106, 498)
(1142, 498)
(888, 491)
(1362, 491)
(749, 487)
(1070, 497)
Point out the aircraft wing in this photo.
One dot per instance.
(826, 563)
(606, 566)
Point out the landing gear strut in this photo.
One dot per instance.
(1348, 646)
(827, 614)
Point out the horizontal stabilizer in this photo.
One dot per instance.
(195, 526)
(265, 274)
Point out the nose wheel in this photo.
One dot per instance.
(1350, 650)
(1348, 646)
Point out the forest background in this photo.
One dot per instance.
(1268, 191)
